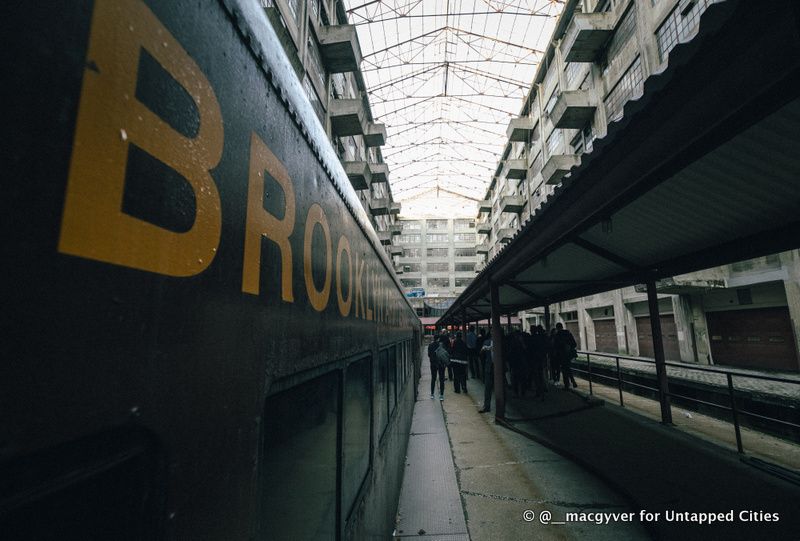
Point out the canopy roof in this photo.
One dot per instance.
(702, 170)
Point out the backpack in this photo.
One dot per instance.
(442, 356)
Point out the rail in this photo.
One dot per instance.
(735, 411)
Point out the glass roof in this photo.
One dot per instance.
(446, 76)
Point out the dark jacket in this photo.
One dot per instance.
(564, 345)
(459, 350)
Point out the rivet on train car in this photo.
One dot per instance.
(130, 27)
(200, 261)
(172, 515)
(135, 411)
(123, 135)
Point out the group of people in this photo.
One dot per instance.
(526, 354)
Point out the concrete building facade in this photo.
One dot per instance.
(602, 51)
(325, 53)
(438, 261)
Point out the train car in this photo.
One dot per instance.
(207, 340)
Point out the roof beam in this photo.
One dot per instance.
(605, 254)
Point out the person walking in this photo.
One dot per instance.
(555, 368)
(566, 350)
(458, 359)
(539, 345)
(472, 351)
(488, 374)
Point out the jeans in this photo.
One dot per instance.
(434, 371)
(459, 375)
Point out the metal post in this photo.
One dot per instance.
(735, 415)
(497, 355)
(658, 349)
(589, 369)
(619, 384)
(547, 317)
(508, 323)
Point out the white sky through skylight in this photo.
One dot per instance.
(446, 76)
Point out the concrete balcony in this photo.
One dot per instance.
(385, 238)
(395, 229)
(339, 48)
(380, 172)
(382, 206)
(512, 203)
(347, 117)
(522, 129)
(557, 166)
(480, 266)
(587, 36)
(484, 228)
(482, 248)
(574, 109)
(375, 135)
(396, 250)
(485, 205)
(359, 173)
(505, 234)
(516, 169)
(398, 270)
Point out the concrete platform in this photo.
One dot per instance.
(469, 478)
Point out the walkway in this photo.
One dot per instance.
(493, 475)
(467, 478)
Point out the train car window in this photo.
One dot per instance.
(108, 486)
(380, 390)
(392, 389)
(356, 426)
(299, 461)
(399, 370)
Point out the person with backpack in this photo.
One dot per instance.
(439, 357)
(565, 349)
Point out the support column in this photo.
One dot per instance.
(508, 323)
(497, 355)
(547, 318)
(658, 349)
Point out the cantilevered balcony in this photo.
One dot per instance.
(480, 266)
(375, 135)
(485, 205)
(512, 203)
(398, 269)
(574, 109)
(347, 117)
(505, 234)
(484, 228)
(359, 174)
(382, 206)
(587, 36)
(385, 238)
(396, 250)
(523, 129)
(395, 229)
(380, 172)
(339, 48)
(482, 248)
(557, 166)
(516, 169)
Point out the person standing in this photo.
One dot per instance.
(565, 348)
(472, 351)
(437, 365)
(488, 374)
(458, 360)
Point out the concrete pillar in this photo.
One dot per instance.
(619, 320)
(791, 264)
(658, 348)
(497, 355)
(701, 340)
(681, 311)
(547, 317)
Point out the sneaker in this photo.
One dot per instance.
(441, 397)
(431, 397)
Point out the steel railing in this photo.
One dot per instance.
(734, 410)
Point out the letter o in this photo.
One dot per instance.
(344, 305)
(319, 299)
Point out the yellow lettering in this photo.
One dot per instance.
(344, 305)
(359, 295)
(319, 299)
(109, 119)
(262, 223)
